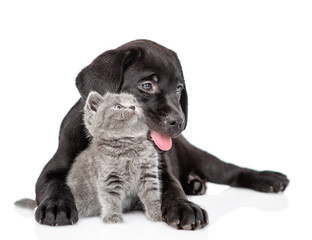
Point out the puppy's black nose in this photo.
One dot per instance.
(174, 121)
(132, 107)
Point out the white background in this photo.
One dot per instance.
(248, 69)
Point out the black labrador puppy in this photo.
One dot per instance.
(154, 75)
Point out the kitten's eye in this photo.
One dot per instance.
(117, 106)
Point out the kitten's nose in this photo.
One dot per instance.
(132, 107)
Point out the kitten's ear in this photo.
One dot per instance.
(93, 102)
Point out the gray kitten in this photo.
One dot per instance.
(119, 169)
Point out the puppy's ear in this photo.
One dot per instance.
(105, 73)
(184, 103)
(93, 102)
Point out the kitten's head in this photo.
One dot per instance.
(114, 116)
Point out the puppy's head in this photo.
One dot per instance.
(153, 74)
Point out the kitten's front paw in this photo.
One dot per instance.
(154, 214)
(113, 218)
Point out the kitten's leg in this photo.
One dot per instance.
(110, 196)
(149, 194)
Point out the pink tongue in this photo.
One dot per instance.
(163, 142)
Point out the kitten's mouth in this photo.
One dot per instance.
(163, 142)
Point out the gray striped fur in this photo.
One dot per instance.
(119, 170)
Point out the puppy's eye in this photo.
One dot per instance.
(147, 86)
(117, 106)
(179, 88)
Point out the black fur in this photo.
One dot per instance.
(185, 169)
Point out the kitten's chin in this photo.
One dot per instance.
(129, 135)
(132, 118)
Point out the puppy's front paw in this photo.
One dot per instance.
(112, 218)
(57, 211)
(184, 215)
